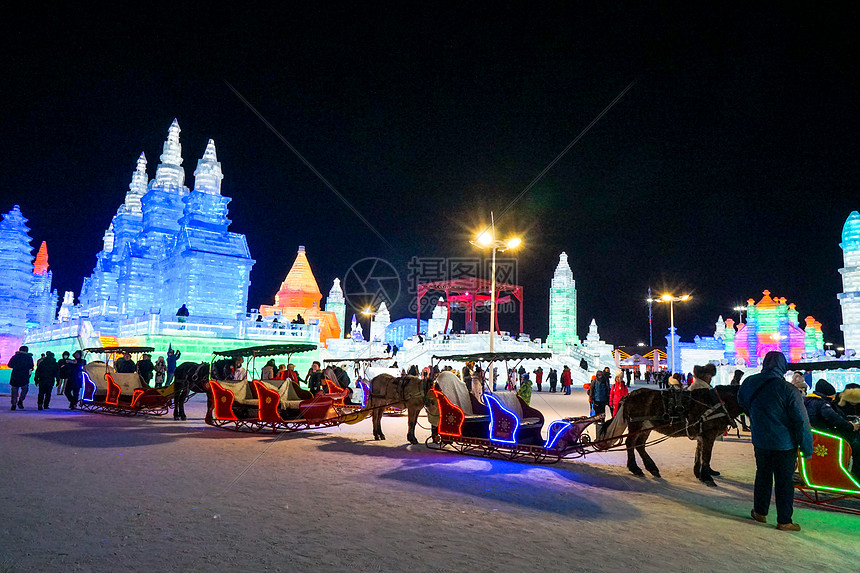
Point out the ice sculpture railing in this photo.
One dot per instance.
(58, 330)
(242, 328)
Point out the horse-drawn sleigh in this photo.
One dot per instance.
(826, 479)
(502, 424)
(274, 405)
(107, 391)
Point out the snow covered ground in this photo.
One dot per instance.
(86, 492)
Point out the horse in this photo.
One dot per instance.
(700, 414)
(188, 378)
(409, 392)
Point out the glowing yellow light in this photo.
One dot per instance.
(666, 297)
(685, 297)
(485, 239)
(514, 243)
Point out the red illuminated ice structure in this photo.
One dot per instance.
(468, 293)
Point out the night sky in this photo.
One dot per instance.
(728, 168)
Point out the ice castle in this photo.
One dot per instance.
(168, 246)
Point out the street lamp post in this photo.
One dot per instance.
(671, 299)
(368, 311)
(487, 239)
(740, 309)
(650, 300)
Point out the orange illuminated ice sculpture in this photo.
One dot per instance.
(300, 294)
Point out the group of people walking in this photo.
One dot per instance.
(67, 374)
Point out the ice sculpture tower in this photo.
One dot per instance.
(562, 307)
(849, 298)
(336, 304)
(436, 324)
(381, 320)
(300, 294)
(42, 305)
(207, 268)
(16, 278)
(139, 284)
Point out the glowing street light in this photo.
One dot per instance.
(488, 239)
(740, 309)
(672, 299)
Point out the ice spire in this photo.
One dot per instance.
(137, 187)
(170, 172)
(108, 239)
(40, 265)
(336, 304)
(208, 175)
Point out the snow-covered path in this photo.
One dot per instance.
(86, 492)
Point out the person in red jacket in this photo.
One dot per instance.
(565, 380)
(618, 391)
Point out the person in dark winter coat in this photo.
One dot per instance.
(63, 372)
(600, 393)
(552, 378)
(825, 415)
(779, 426)
(21, 364)
(125, 365)
(75, 378)
(145, 368)
(47, 375)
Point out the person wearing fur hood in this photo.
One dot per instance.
(849, 400)
(703, 376)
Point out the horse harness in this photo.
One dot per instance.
(402, 382)
(676, 406)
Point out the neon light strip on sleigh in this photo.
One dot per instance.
(554, 436)
(493, 436)
(840, 456)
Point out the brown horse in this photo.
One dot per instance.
(700, 414)
(408, 392)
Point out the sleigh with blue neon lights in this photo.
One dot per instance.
(504, 426)
(106, 391)
(275, 405)
(825, 479)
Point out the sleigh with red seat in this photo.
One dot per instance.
(109, 392)
(501, 424)
(825, 479)
(275, 405)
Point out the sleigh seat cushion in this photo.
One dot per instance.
(456, 392)
(242, 391)
(288, 398)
